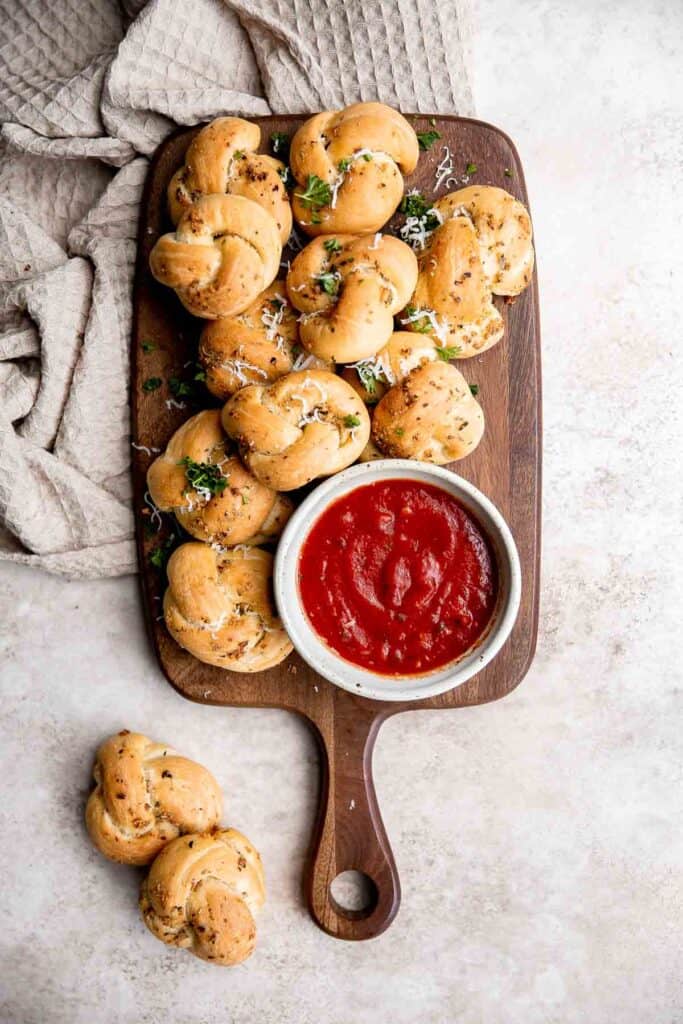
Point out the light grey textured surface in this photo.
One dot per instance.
(538, 839)
(78, 81)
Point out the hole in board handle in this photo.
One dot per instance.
(353, 895)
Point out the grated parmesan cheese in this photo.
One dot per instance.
(440, 329)
(172, 404)
(303, 361)
(238, 366)
(156, 513)
(415, 231)
(144, 448)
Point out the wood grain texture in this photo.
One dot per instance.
(349, 833)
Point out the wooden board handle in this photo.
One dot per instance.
(349, 834)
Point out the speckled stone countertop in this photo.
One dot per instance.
(539, 839)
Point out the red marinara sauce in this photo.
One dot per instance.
(398, 577)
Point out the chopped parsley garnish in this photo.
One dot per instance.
(147, 346)
(344, 164)
(351, 421)
(367, 157)
(369, 372)
(471, 169)
(332, 245)
(238, 154)
(152, 384)
(329, 283)
(399, 431)
(423, 325)
(180, 388)
(160, 554)
(414, 204)
(474, 388)
(447, 353)
(279, 142)
(187, 388)
(204, 476)
(317, 194)
(507, 172)
(427, 139)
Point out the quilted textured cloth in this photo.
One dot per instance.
(88, 88)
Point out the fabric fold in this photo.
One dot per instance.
(88, 89)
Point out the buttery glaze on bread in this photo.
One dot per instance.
(254, 347)
(146, 795)
(203, 893)
(359, 153)
(222, 158)
(482, 247)
(245, 510)
(372, 378)
(219, 607)
(349, 290)
(431, 415)
(306, 425)
(225, 251)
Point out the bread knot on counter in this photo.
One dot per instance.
(146, 795)
(482, 247)
(254, 347)
(219, 607)
(222, 158)
(306, 425)
(371, 378)
(349, 167)
(203, 893)
(348, 290)
(225, 251)
(200, 478)
(431, 415)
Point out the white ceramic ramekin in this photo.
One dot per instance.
(372, 684)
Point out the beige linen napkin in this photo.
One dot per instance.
(88, 89)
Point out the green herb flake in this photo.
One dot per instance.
(351, 422)
(160, 554)
(245, 498)
(414, 204)
(447, 353)
(474, 389)
(344, 164)
(329, 283)
(152, 384)
(180, 388)
(316, 194)
(471, 169)
(507, 172)
(427, 139)
(367, 157)
(147, 347)
(422, 326)
(332, 245)
(399, 431)
(204, 476)
(279, 142)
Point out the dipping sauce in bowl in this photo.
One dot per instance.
(398, 577)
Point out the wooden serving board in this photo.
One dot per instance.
(349, 833)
